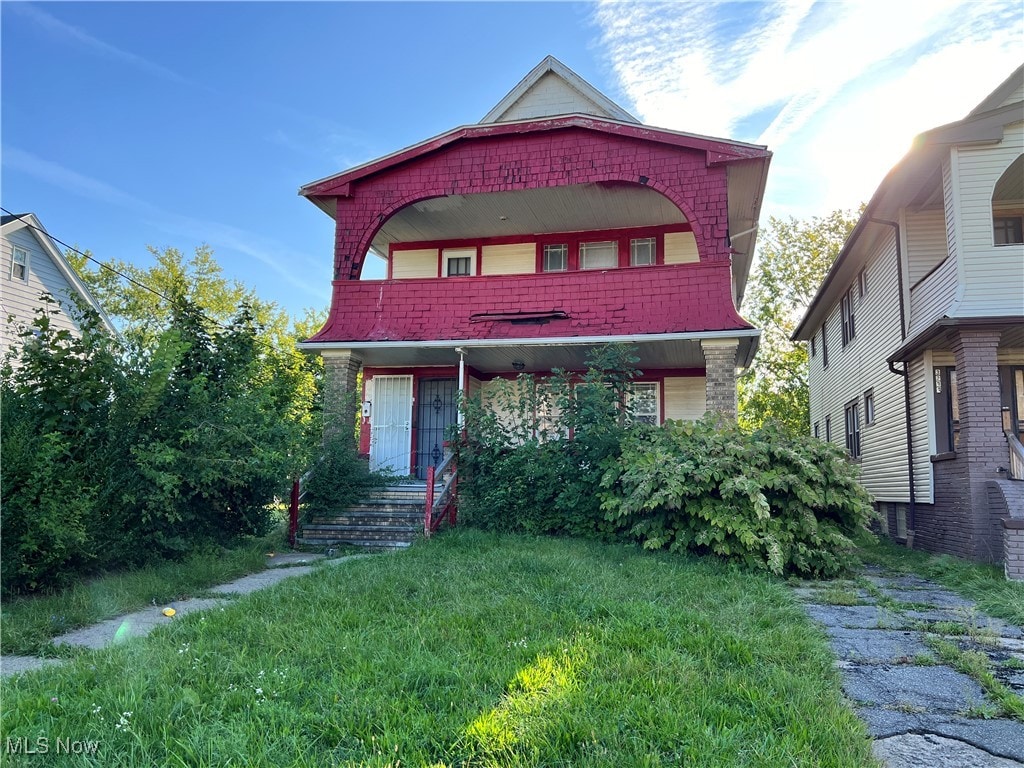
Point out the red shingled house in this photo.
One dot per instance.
(557, 223)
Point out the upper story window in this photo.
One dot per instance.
(1008, 206)
(603, 254)
(862, 283)
(556, 258)
(19, 265)
(849, 329)
(642, 251)
(814, 345)
(824, 344)
(1008, 230)
(459, 262)
(869, 407)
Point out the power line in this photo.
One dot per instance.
(22, 218)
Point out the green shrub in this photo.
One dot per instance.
(340, 478)
(788, 504)
(522, 472)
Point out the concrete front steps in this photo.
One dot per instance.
(389, 518)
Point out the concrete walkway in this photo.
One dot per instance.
(140, 623)
(921, 712)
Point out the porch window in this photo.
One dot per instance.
(556, 258)
(459, 262)
(947, 409)
(642, 251)
(853, 429)
(603, 254)
(643, 403)
(1011, 395)
(19, 265)
(1008, 230)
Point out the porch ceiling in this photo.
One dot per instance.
(487, 357)
(572, 208)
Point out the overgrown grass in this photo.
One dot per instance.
(986, 585)
(474, 650)
(30, 622)
(977, 665)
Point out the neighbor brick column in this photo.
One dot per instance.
(982, 445)
(720, 381)
(341, 368)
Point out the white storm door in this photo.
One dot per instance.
(391, 424)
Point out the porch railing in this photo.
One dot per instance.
(444, 504)
(1016, 457)
(298, 492)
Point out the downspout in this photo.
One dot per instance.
(905, 373)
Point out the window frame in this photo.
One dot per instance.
(564, 247)
(23, 263)
(449, 255)
(828, 428)
(999, 224)
(848, 316)
(824, 343)
(946, 408)
(869, 407)
(613, 244)
(851, 416)
(650, 241)
(655, 387)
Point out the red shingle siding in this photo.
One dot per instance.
(639, 300)
(531, 161)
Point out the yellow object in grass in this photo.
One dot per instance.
(168, 612)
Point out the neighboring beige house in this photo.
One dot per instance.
(32, 266)
(916, 336)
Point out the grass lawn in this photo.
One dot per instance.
(470, 649)
(29, 623)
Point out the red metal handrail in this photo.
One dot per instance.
(443, 505)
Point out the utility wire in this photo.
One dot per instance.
(22, 218)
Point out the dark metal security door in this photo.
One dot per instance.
(435, 412)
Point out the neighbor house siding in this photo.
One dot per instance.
(922, 432)
(685, 397)
(993, 275)
(512, 259)
(421, 262)
(21, 298)
(858, 367)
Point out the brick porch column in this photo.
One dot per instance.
(720, 382)
(982, 445)
(341, 368)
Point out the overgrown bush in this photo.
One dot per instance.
(520, 471)
(116, 453)
(340, 478)
(788, 504)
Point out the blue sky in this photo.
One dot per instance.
(174, 124)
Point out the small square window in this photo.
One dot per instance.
(642, 251)
(556, 258)
(459, 266)
(19, 265)
(600, 255)
(869, 407)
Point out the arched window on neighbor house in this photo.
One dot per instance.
(1008, 205)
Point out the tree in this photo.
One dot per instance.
(793, 260)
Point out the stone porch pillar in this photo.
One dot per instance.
(720, 381)
(341, 368)
(982, 445)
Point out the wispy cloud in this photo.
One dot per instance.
(836, 89)
(276, 256)
(71, 33)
